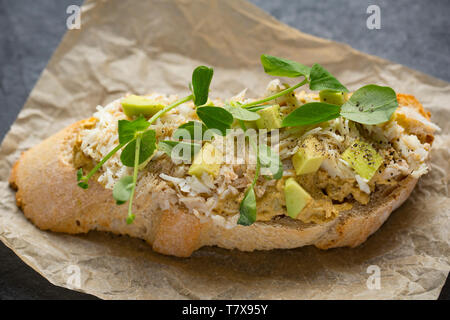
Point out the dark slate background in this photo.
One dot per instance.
(414, 33)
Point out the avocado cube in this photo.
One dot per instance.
(250, 125)
(333, 97)
(208, 160)
(363, 158)
(247, 124)
(270, 118)
(309, 157)
(296, 198)
(135, 106)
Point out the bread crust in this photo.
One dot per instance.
(47, 193)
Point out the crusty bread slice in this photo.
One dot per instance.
(47, 192)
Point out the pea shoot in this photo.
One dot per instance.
(265, 158)
(138, 142)
(370, 104)
(247, 208)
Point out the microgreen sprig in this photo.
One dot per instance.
(370, 104)
(139, 142)
(265, 158)
(179, 150)
(311, 113)
(131, 216)
(240, 113)
(274, 96)
(83, 180)
(247, 208)
(133, 129)
(317, 77)
(216, 118)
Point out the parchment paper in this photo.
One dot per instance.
(143, 46)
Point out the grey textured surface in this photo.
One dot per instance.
(30, 32)
(415, 33)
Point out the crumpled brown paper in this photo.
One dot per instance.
(143, 46)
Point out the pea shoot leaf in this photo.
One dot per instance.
(281, 67)
(242, 114)
(311, 113)
(201, 80)
(79, 174)
(129, 129)
(247, 208)
(192, 130)
(215, 118)
(130, 218)
(179, 150)
(321, 79)
(122, 189)
(82, 184)
(371, 104)
(147, 148)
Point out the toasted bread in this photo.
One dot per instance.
(47, 192)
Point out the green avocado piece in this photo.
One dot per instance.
(208, 160)
(270, 118)
(363, 158)
(296, 198)
(250, 125)
(333, 97)
(134, 106)
(309, 157)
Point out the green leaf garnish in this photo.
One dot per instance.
(186, 150)
(130, 218)
(241, 114)
(321, 79)
(129, 129)
(216, 118)
(79, 174)
(83, 180)
(284, 68)
(281, 67)
(140, 142)
(122, 189)
(137, 153)
(311, 113)
(257, 108)
(247, 209)
(192, 130)
(201, 80)
(80, 179)
(271, 160)
(147, 148)
(83, 185)
(370, 104)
